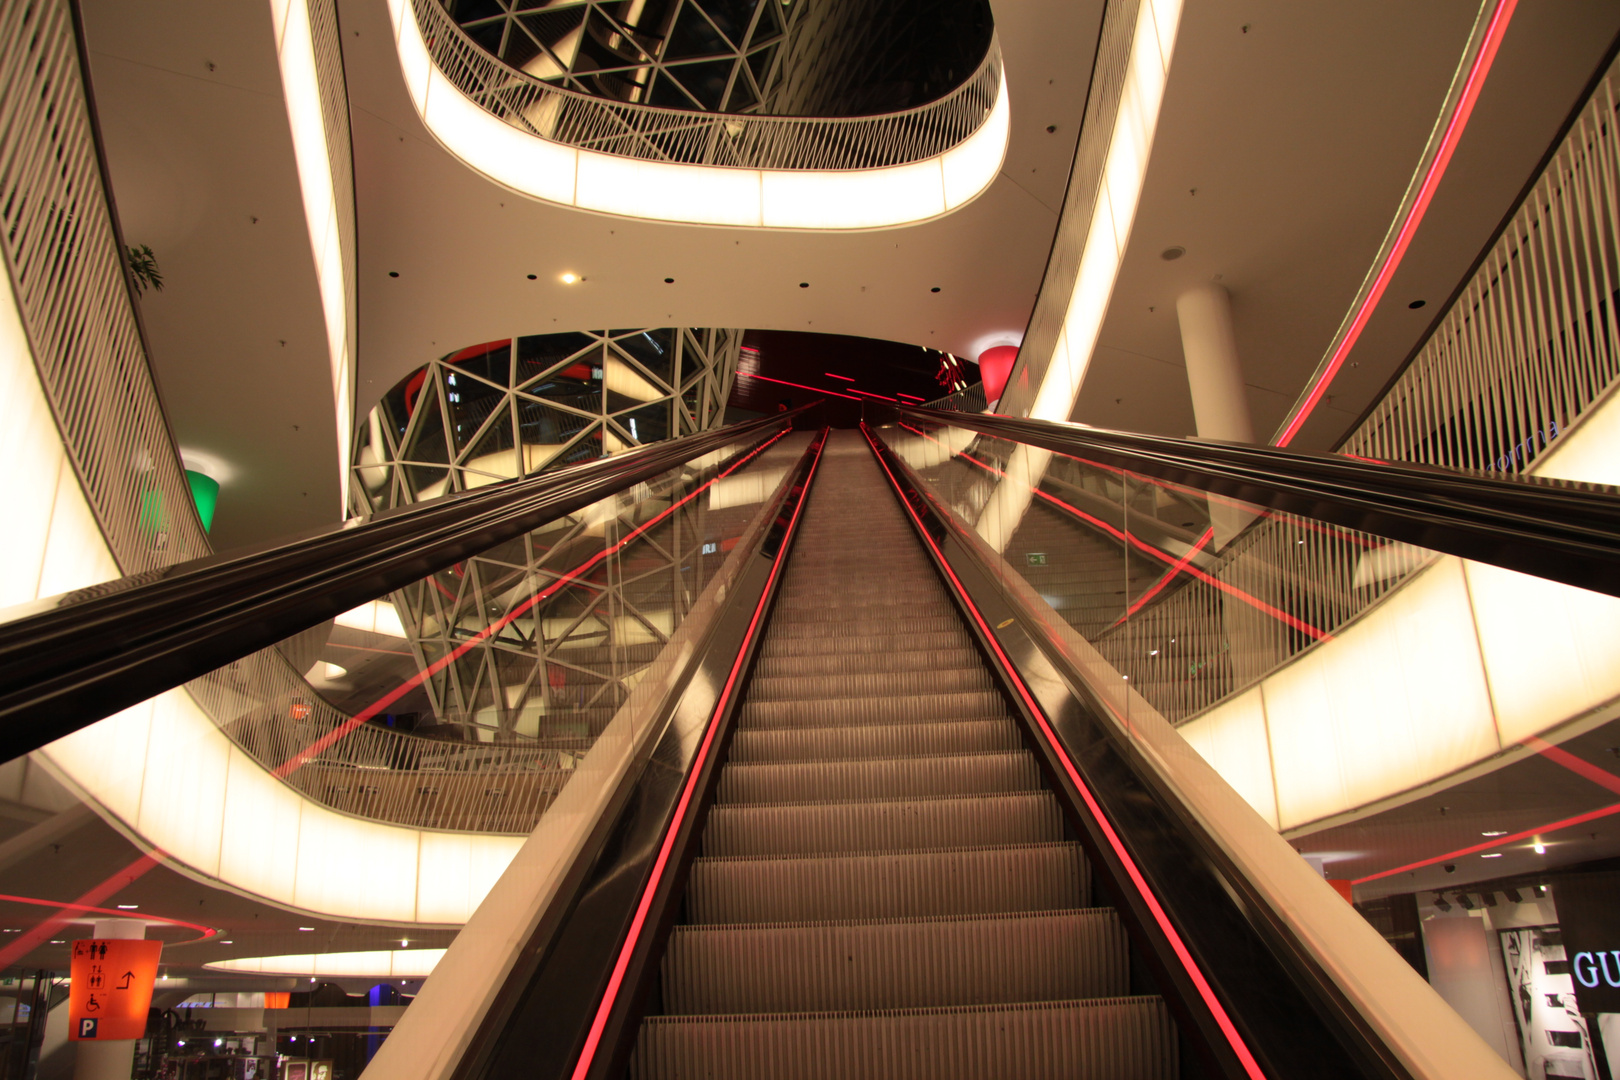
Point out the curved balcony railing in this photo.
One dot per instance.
(751, 141)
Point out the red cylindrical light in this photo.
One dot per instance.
(995, 365)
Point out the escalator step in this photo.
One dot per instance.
(1026, 817)
(868, 642)
(939, 680)
(910, 709)
(879, 778)
(921, 624)
(823, 967)
(889, 885)
(863, 663)
(866, 611)
(875, 740)
(1100, 1039)
(914, 590)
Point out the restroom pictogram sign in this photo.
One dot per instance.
(112, 987)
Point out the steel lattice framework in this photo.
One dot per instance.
(703, 55)
(518, 407)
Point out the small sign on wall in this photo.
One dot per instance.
(1035, 558)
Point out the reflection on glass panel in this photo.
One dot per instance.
(1406, 719)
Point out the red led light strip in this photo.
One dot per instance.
(830, 375)
(1183, 954)
(1130, 538)
(1552, 753)
(799, 386)
(63, 906)
(1403, 239)
(594, 1038)
(1554, 826)
(1175, 568)
(52, 924)
(910, 397)
(572, 577)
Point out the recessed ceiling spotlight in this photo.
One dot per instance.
(934, 289)
(569, 278)
(534, 277)
(1414, 305)
(307, 929)
(669, 281)
(128, 907)
(1491, 855)
(1171, 254)
(804, 284)
(393, 273)
(1494, 832)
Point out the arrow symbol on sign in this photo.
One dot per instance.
(128, 975)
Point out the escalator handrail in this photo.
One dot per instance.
(1556, 529)
(70, 660)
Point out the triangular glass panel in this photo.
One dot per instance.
(588, 448)
(493, 458)
(491, 360)
(743, 98)
(647, 424)
(540, 353)
(521, 46)
(666, 93)
(693, 400)
(553, 28)
(705, 81)
(694, 35)
(490, 36)
(577, 384)
(471, 402)
(731, 17)
(769, 24)
(759, 63)
(544, 432)
(654, 350)
(626, 387)
(427, 448)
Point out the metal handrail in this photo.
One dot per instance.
(1559, 530)
(69, 661)
(731, 140)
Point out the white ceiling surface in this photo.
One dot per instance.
(237, 337)
(463, 246)
(1300, 136)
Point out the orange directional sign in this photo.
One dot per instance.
(112, 988)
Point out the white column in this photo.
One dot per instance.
(1220, 404)
(113, 1059)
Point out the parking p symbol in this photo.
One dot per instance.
(87, 1027)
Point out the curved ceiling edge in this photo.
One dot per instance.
(782, 199)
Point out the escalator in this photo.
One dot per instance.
(871, 806)
(885, 880)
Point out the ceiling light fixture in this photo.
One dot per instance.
(128, 907)
(1494, 832)
(569, 278)
(306, 929)
(1491, 855)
